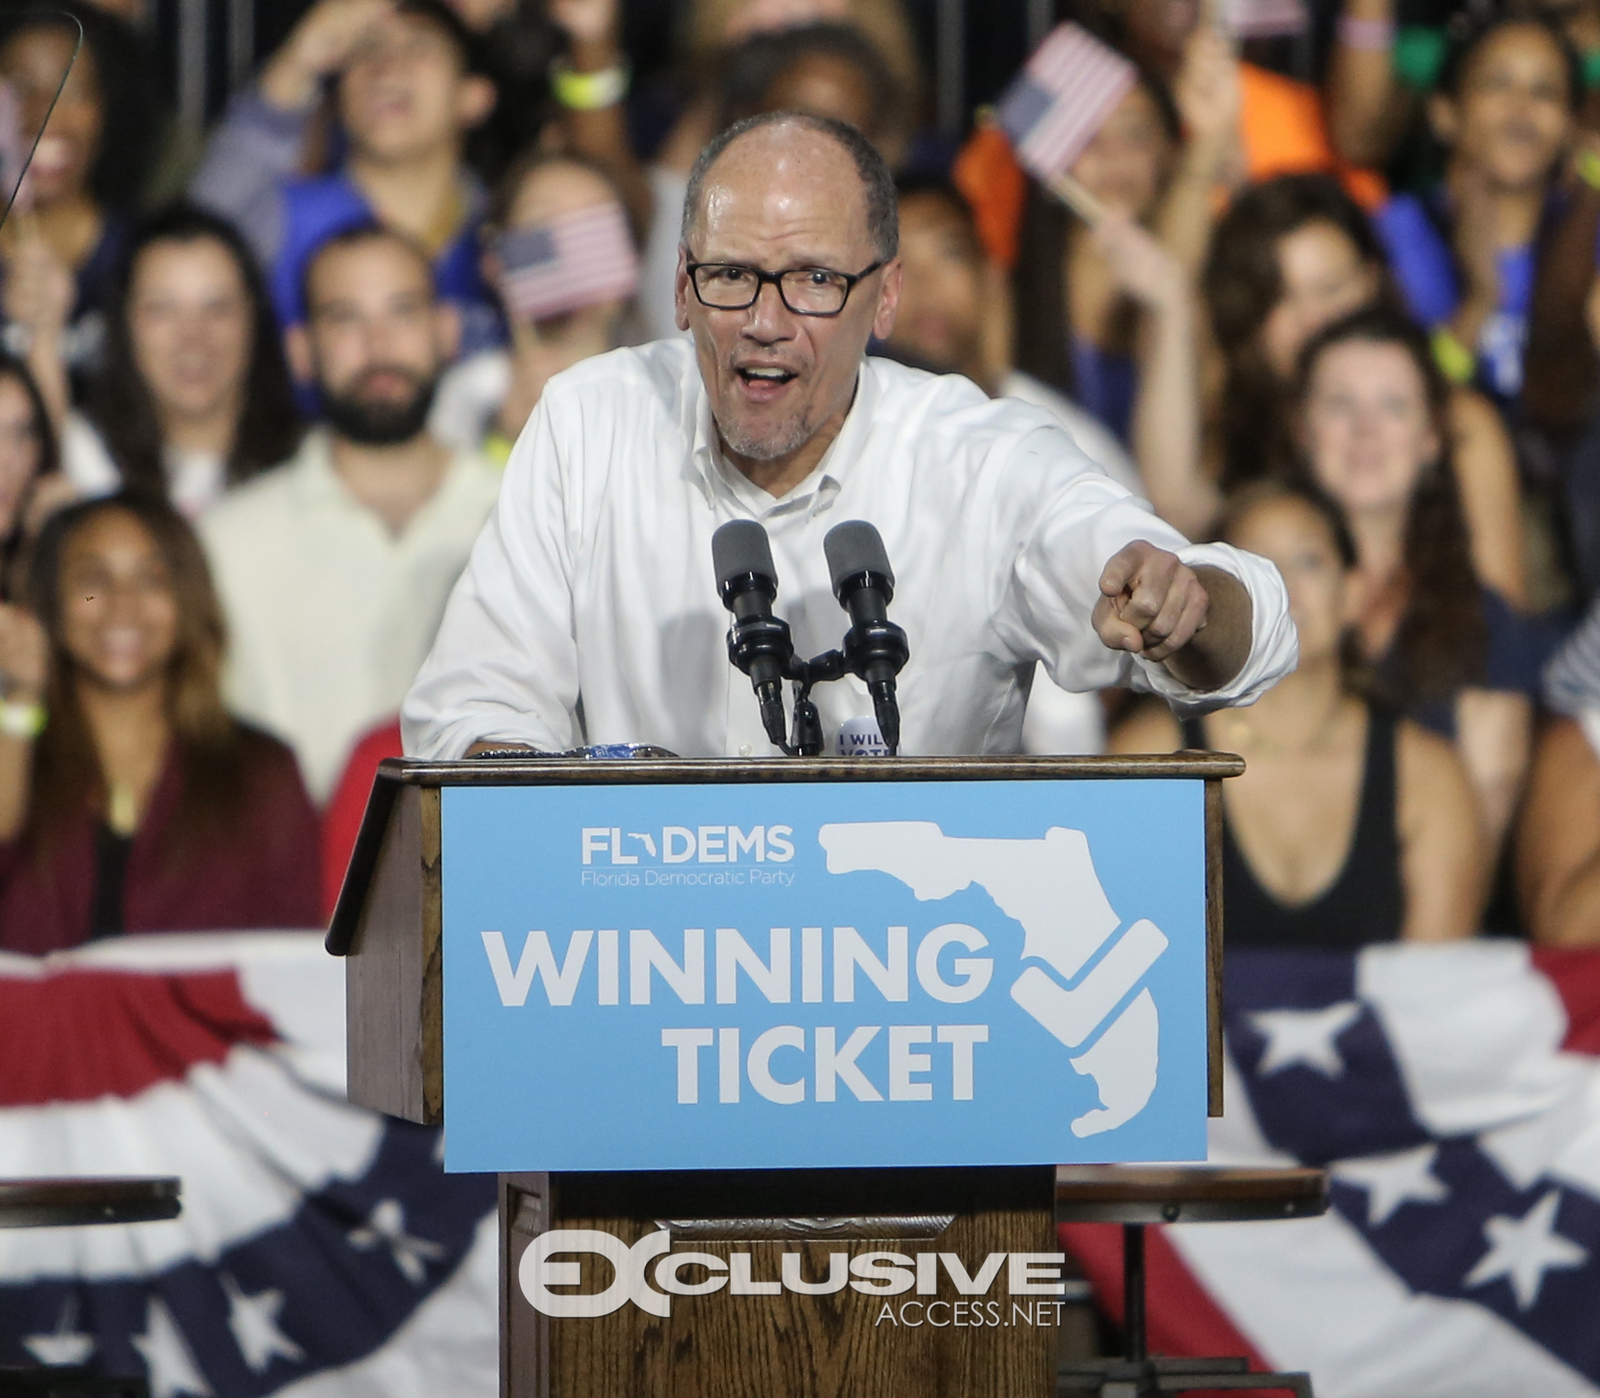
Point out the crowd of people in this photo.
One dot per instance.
(1330, 296)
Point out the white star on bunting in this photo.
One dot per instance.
(254, 1322)
(386, 1225)
(1523, 1249)
(1304, 1036)
(65, 1344)
(167, 1355)
(1393, 1180)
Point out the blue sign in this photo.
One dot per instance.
(832, 974)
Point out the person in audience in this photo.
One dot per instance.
(1560, 403)
(1291, 256)
(1464, 254)
(334, 567)
(195, 394)
(1280, 126)
(60, 248)
(1078, 325)
(718, 26)
(131, 800)
(1374, 434)
(1351, 825)
(954, 318)
(826, 69)
(30, 480)
(563, 302)
(1558, 829)
(408, 94)
(516, 43)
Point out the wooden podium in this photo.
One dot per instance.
(389, 924)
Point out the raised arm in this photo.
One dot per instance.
(1166, 409)
(1207, 95)
(1443, 853)
(259, 141)
(1491, 495)
(1493, 735)
(1367, 108)
(1558, 840)
(24, 663)
(599, 129)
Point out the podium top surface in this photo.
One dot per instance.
(396, 774)
(543, 771)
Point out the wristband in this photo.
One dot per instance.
(1588, 168)
(1368, 35)
(21, 719)
(1456, 362)
(497, 448)
(588, 92)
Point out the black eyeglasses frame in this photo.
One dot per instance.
(851, 280)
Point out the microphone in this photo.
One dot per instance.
(758, 642)
(875, 649)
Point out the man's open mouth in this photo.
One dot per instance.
(763, 374)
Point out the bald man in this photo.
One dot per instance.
(589, 610)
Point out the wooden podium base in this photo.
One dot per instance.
(847, 1344)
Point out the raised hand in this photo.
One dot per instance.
(587, 23)
(1206, 89)
(1476, 250)
(1151, 604)
(1140, 262)
(24, 656)
(319, 46)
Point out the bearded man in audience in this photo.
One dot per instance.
(334, 567)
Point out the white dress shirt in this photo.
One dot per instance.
(329, 611)
(589, 609)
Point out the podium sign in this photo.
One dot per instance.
(888, 973)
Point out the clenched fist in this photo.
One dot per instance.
(1196, 620)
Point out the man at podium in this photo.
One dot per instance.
(589, 611)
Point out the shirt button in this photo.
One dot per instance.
(745, 750)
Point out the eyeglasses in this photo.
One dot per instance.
(806, 291)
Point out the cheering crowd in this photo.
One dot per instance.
(1315, 280)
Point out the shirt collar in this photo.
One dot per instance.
(320, 487)
(714, 475)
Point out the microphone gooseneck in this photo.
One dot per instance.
(875, 649)
(758, 642)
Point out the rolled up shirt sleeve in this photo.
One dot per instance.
(1054, 584)
(1274, 644)
(504, 666)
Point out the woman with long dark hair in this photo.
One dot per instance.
(1372, 414)
(130, 799)
(1351, 825)
(195, 395)
(59, 249)
(1291, 256)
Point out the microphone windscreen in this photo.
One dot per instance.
(855, 547)
(740, 546)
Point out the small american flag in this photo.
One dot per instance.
(575, 260)
(1062, 97)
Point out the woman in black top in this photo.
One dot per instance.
(1350, 825)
